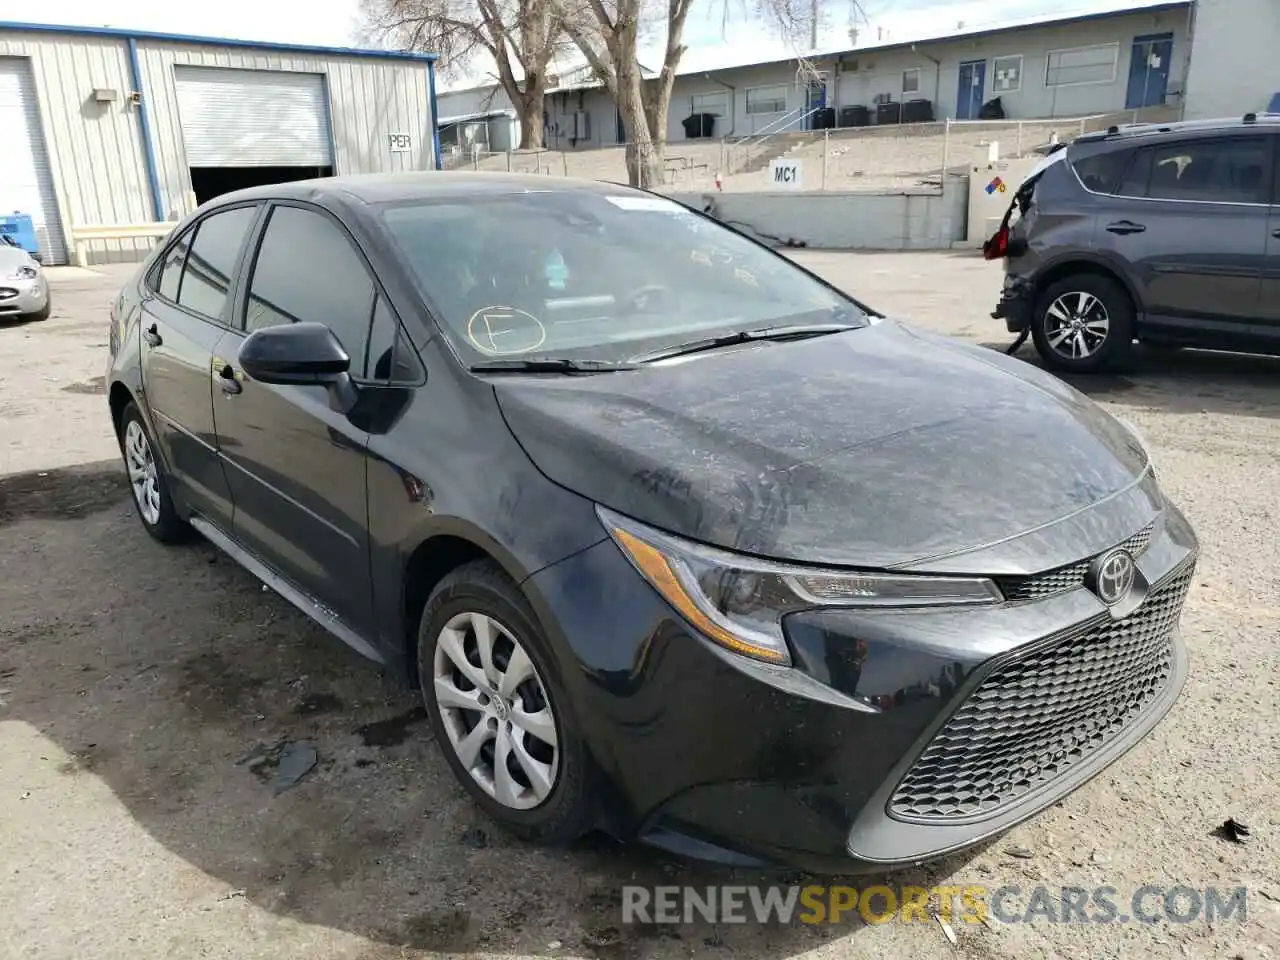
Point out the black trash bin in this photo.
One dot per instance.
(699, 125)
(889, 112)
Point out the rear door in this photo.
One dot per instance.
(1191, 223)
(184, 317)
(296, 465)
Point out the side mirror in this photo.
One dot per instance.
(294, 353)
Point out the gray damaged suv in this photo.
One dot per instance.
(1160, 233)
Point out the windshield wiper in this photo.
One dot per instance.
(795, 331)
(550, 365)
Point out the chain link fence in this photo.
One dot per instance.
(889, 157)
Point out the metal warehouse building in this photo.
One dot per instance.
(107, 134)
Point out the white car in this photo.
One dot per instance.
(24, 289)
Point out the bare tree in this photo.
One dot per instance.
(520, 37)
(609, 33)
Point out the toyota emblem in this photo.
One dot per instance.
(1113, 576)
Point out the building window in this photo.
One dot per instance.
(1081, 65)
(1008, 74)
(713, 103)
(767, 100)
(911, 81)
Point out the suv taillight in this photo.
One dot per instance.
(997, 245)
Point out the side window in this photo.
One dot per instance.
(1102, 172)
(206, 281)
(307, 269)
(390, 358)
(1134, 183)
(168, 281)
(1233, 170)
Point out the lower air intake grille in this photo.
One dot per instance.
(1037, 716)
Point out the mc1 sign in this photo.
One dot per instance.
(400, 142)
(784, 174)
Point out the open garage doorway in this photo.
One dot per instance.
(247, 128)
(210, 182)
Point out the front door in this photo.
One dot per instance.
(1269, 304)
(1149, 71)
(295, 464)
(184, 317)
(972, 83)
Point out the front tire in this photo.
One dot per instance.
(1084, 324)
(497, 708)
(147, 481)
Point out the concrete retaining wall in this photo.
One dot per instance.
(907, 220)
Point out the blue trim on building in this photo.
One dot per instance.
(144, 124)
(118, 33)
(435, 115)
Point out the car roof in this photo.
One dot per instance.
(372, 188)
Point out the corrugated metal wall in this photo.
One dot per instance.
(96, 152)
(369, 99)
(95, 149)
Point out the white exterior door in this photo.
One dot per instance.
(253, 118)
(26, 182)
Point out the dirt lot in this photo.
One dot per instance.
(132, 678)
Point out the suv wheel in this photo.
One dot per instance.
(147, 480)
(504, 724)
(1083, 324)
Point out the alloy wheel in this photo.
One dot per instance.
(1076, 325)
(496, 711)
(142, 472)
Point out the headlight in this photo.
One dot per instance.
(26, 273)
(739, 601)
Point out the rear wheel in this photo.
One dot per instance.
(505, 724)
(147, 480)
(1084, 324)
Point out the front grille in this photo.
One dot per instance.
(1070, 577)
(7, 293)
(1037, 716)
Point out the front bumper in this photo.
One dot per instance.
(1015, 304)
(715, 756)
(20, 297)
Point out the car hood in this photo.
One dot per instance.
(881, 447)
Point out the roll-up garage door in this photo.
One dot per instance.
(26, 183)
(253, 118)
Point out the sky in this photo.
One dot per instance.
(337, 22)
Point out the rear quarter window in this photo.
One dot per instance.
(1103, 172)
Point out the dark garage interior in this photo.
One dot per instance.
(210, 182)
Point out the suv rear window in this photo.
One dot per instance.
(1101, 172)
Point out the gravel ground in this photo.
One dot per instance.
(133, 677)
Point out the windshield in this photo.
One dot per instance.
(595, 275)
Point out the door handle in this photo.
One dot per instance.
(227, 380)
(1123, 227)
(1276, 233)
(152, 336)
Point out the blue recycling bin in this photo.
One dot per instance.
(20, 228)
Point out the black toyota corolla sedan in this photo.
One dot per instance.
(676, 540)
